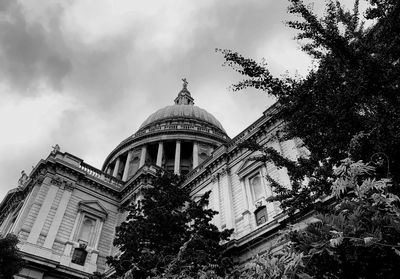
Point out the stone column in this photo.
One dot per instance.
(116, 167)
(160, 153)
(195, 154)
(143, 156)
(55, 225)
(177, 157)
(126, 169)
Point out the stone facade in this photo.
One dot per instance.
(65, 212)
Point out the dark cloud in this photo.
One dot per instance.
(110, 70)
(34, 53)
(28, 52)
(120, 78)
(102, 76)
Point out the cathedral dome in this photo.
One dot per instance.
(177, 138)
(184, 112)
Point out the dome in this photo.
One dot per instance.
(186, 112)
(177, 137)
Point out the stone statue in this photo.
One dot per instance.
(56, 149)
(23, 179)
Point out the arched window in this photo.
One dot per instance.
(261, 215)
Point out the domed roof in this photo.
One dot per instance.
(183, 121)
(184, 109)
(184, 112)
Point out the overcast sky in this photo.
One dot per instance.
(85, 74)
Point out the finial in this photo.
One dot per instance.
(185, 83)
(184, 97)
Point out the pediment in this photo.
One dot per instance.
(93, 207)
(247, 166)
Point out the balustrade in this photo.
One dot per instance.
(99, 174)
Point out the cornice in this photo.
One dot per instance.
(46, 264)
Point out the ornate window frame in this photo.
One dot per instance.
(89, 209)
(248, 170)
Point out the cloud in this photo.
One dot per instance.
(29, 55)
(86, 73)
(37, 49)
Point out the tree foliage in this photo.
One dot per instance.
(359, 236)
(11, 261)
(347, 106)
(167, 233)
(277, 262)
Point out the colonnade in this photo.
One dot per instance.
(159, 159)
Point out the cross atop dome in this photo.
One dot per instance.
(184, 97)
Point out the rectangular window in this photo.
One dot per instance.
(257, 187)
(79, 256)
(86, 232)
(261, 215)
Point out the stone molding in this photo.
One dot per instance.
(63, 183)
(93, 207)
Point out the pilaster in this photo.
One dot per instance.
(216, 199)
(55, 225)
(25, 209)
(227, 198)
(43, 212)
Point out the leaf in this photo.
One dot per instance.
(335, 242)
(368, 240)
(396, 251)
